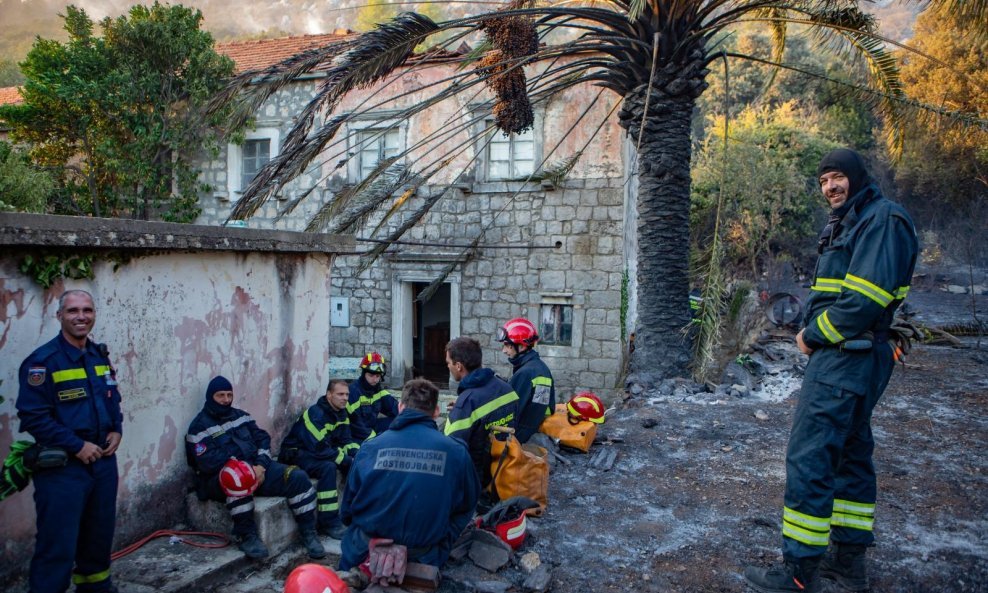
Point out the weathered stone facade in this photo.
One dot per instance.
(568, 241)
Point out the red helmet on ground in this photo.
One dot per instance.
(373, 362)
(518, 331)
(314, 578)
(237, 478)
(585, 406)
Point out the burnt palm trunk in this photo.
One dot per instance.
(661, 347)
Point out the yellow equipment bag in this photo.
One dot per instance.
(518, 470)
(578, 436)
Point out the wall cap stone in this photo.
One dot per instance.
(42, 230)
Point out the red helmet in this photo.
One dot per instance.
(373, 362)
(314, 578)
(585, 406)
(518, 331)
(237, 478)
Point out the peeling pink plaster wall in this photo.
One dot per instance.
(172, 322)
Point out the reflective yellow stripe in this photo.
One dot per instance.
(68, 375)
(320, 433)
(367, 400)
(542, 381)
(80, 579)
(827, 285)
(901, 292)
(827, 329)
(102, 369)
(810, 530)
(340, 454)
(857, 508)
(353, 446)
(329, 507)
(853, 521)
(327, 494)
(465, 423)
(868, 289)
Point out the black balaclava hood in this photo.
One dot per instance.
(219, 383)
(850, 164)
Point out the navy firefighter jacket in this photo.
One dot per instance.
(484, 401)
(861, 277)
(212, 441)
(366, 401)
(411, 484)
(68, 396)
(532, 381)
(322, 432)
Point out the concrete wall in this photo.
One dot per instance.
(177, 305)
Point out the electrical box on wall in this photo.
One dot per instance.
(339, 312)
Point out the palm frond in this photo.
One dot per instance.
(345, 197)
(372, 197)
(465, 256)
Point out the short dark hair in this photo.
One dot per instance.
(335, 382)
(421, 395)
(465, 351)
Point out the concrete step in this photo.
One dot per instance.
(275, 522)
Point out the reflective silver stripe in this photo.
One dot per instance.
(218, 429)
(265, 452)
(304, 509)
(243, 508)
(307, 494)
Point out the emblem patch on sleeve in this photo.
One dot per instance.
(200, 449)
(541, 395)
(36, 376)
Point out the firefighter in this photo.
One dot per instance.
(320, 443)
(371, 406)
(530, 378)
(411, 484)
(69, 401)
(867, 255)
(220, 433)
(483, 401)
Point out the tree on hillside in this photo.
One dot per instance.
(654, 54)
(946, 163)
(121, 114)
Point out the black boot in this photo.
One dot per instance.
(252, 547)
(335, 530)
(313, 547)
(794, 576)
(845, 563)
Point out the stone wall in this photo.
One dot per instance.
(177, 305)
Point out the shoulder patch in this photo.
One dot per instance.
(200, 449)
(36, 375)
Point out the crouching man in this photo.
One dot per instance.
(220, 433)
(410, 484)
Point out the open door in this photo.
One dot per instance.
(430, 334)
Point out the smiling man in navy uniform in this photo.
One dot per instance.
(68, 400)
(867, 255)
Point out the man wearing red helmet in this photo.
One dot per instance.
(371, 407)
(531, 379)
(220, 433)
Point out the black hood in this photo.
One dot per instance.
(852, 165)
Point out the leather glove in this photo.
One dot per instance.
(387, 561)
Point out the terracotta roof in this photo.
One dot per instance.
(261, 53)
(10, 95)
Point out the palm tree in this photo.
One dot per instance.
(655, 54)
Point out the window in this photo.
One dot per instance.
(256, 153)
(512, 156)
(557, 325)
(376, 145)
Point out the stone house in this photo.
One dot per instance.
(553, 252)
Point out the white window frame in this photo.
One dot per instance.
(371, 122)
(484, 147)
(235, 156)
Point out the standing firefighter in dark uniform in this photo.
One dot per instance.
(68, 400)
(867, 254)
(531, 378)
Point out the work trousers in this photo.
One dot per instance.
(76, 509)
(830, 476)
(327, 489)
(279, 480)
